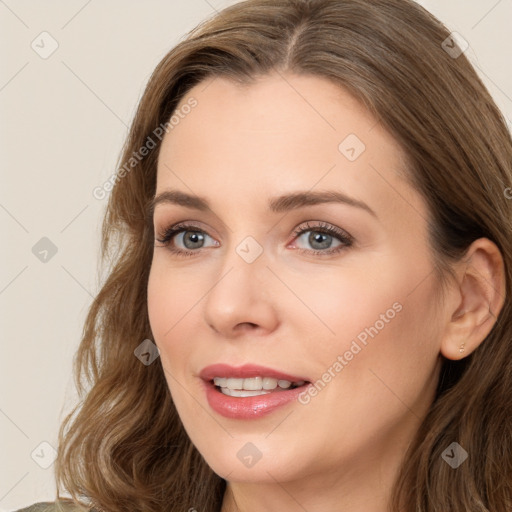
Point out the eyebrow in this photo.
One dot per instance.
(279, 204)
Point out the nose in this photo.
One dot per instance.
(243, 298)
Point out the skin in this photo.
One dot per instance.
(298, 311)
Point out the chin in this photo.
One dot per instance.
(246, 461)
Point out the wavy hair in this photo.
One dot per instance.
(123, 447)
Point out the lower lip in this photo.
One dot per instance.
(250, 407)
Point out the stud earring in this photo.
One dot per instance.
(461, 349)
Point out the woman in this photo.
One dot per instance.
(309, 303)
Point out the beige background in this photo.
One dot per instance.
(63, 121)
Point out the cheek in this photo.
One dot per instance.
(169, 301)
(389, 348)
(171, 295)
(159, 303)
(344, 301)
(380, 364)
(381, 320)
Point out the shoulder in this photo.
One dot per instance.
(55, 506)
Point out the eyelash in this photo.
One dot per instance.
(345, 239)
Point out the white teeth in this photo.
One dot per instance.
(253, 383)
(269, 383)
(235, 383)
(243, 393)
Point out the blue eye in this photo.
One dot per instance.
(192, 238)
(320, 237)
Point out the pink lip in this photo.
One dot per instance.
(245, 372)
(251, 407)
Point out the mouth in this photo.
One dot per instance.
(247, 404)
(249, 391)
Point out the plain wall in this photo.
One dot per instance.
(63, 122)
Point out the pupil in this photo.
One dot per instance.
(322, 238)
(194, 237)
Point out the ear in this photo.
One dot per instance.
(476, 299)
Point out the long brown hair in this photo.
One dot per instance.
(123, 448)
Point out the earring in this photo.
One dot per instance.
(461, 349)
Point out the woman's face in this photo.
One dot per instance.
(282, 273)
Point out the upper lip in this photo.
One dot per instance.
(246, 371)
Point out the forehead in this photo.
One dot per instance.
(275, 108)
(278, 134)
